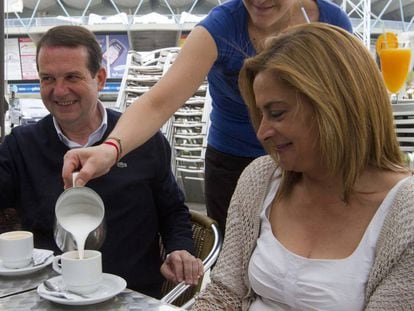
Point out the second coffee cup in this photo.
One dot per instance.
(81, 276)
(16, 249)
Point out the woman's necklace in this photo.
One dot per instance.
(304, 13)
(257, 36)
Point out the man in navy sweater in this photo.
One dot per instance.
(141, 197)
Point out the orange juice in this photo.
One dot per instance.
(395, 63)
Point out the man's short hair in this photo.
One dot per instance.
(73, 36)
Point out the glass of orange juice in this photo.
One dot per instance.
(395, 64)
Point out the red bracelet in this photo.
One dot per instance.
(116, 147)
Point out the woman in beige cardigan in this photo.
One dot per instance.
(326, 222)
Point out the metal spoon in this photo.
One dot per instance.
(40, 258)
(54, 288)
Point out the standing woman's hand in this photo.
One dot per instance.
(91, 162)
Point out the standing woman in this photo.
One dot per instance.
(216, 47)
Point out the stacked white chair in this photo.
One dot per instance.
(404, 127)
(186, 130)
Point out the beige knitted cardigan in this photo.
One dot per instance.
(391, 281)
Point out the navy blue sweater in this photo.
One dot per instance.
(142, 200)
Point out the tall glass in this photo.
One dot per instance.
(395, 64)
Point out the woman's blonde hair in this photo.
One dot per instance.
(338, 75)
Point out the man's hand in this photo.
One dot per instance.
(91, 162)
(182, 266)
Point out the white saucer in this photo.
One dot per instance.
(26, 270)
(110, 286)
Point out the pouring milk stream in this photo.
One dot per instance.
(79, 210)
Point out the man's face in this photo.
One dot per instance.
(67, 88)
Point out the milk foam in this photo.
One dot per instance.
(15, 235)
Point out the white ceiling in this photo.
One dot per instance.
(385, 9)
(394, 15)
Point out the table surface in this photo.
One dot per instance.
(19, 293)
(10, 285)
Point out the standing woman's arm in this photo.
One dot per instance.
(149, 112)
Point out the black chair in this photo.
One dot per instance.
(208, 242)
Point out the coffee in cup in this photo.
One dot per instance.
(81, 276)
(16, 249)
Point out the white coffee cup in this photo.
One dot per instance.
(16, 249)
(81, 276)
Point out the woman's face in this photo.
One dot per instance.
(266, 13)
(287, 123)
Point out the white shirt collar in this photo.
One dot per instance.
(93, 138)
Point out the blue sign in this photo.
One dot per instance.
(110, 87)
(28, 88)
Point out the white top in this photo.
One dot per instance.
(283, 280)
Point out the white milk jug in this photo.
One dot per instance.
(79, 215)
